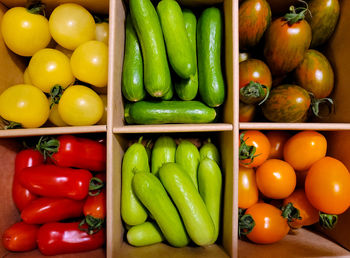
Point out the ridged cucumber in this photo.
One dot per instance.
(181, 57)
(132, 78)
(152, 194)
(144, 234)
(189, 203)
(163, 151)
(210, 151)
(167, 112)
(157, 78)
(209, 44)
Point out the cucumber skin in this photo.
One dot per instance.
(164, 150)
(210, 151)
(157, 79)
(132, 78)
(135, 159)
(210, 185)
(187, 155)
(189, 203)
(181, 57)
(152, 194)
(166, 112)
(144, 234)
(209, 43)
(187, 89)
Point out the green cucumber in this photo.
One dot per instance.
(157, 78)
(135, 160)
(189, 203)
(181, 56)
(169, 95)
(187, 155)
(152, 194)
(163, 151)
(144, 234)
(209, 44)
(187, 89)
(169, 112)
(210, 183)
(132, 78)
(209, 150)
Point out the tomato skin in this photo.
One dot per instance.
(304, 148)
(270, 226)
(285, 45)
(246, 112)
(277, 140)
(254, 18)
(286, 103)
(248, 193)
(54, 181)
(103, 120)
(327, 186)
(44, 210)
(55, 117)
(60, 238)
(24, 33)
(102, 32)
(315, 74)
(20, 237)
(276, 179)
(309, 215)
(95, 206)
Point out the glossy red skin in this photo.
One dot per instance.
(54, 181)
(80, 153)
(46, 209)
(315, 74)
(285, 45)
(287, 103)
(95, 206)
(254, 18)
(25, 158)
(20, 237)
(60, 238)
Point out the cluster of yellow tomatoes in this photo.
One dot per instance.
(67, 65)
(287, 181)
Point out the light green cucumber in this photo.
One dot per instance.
(209, 44)
(157, 79)
(169, 95)
(210, 184)
(144, 234)
(209, 150)
(135, 160)
(181, 56)
(189, 203)
(187, 89)
(152, 194)
(187, 155)
(132, 78)
(163, 151)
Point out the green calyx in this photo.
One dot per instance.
(36, 7)
(316, 103)
(290, 213)
(246, 151)
(327, 221)
(55, 94)
(95, 186)
(296, 14)
(93, 224)
(246, 223)
(255, 90)
(47, 146)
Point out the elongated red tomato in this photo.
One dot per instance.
(60, 238)
(20, 237)
(45, 209)
(54, 181)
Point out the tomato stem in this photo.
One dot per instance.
(55, 94)
(255, 90)
(315, 105)
(247, 151)
(296, 14)
(47, 146)
(36, 7)
(11, 124)
(94, 224)
(246, 223)
(290, 213)
(327, 221)
(95, 186)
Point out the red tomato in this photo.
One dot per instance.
(304, 148)
(248, 193)
(45, 209)
(95, 211)
(277, 140)
(60, 238)
(254, 148)
(327, 186)
(246, 112)
(20, 237)
(270, 226)
(276, 179)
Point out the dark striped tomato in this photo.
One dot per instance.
(254, 18)
(315, 74)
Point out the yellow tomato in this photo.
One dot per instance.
(26, 77)
(89, 63)
(65, 51)
(102, 32)
(103, 120)
(24, 104)
(80, 105)
(25, 33)
(71, 25)
(49, 67)
(55, 117)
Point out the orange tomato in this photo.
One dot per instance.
(270, 226)
(309, 215)
(276, 179)
(248, 193)
(254, 148)
(304, 148)
(277, 140)
(327, 186)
